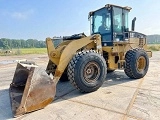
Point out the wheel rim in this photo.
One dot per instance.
(141, 63)
(91, 72)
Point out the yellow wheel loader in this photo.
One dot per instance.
(83, 60)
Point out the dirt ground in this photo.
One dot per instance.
(120, 98)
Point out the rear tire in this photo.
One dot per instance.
(87, 71)
(137, 63)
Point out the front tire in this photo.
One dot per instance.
(137, 63)
(87, 71)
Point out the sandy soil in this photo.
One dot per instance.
(120, 98)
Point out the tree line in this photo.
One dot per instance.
(20, 43)
(153, 39)
(6, 43)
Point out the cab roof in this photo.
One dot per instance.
(109, 6)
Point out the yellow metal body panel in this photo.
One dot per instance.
(120, 48)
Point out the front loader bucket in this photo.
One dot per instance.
(31, 89)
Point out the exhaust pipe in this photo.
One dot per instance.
(133, 23)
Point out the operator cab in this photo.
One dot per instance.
(111, 22)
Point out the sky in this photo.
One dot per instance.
(38, 19)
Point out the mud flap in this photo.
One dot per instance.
(31, 89)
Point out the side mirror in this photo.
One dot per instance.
(89, 15)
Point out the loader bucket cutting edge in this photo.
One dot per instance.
(31, 89)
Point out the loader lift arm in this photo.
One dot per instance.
(62, 57)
